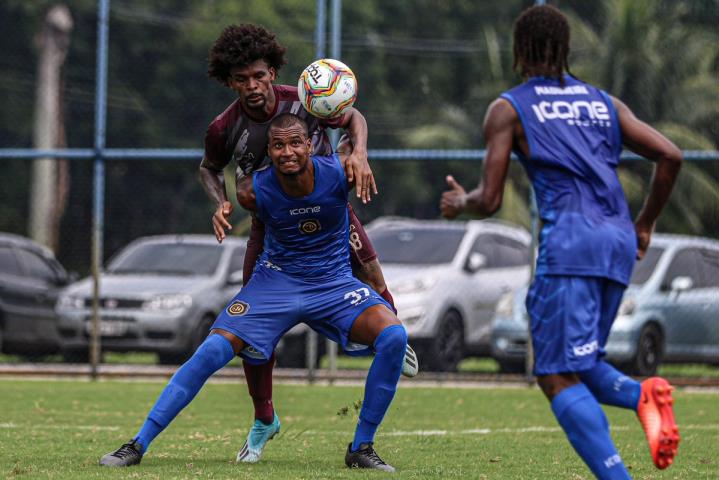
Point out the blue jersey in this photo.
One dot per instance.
(306, 237)
(574, 146)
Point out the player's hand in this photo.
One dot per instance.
(644, 237)
(357, 170)
(219, 220)
(453, 200)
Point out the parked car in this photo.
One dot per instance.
(446, 278)
(670, 311)
(159, 294)
(30, 280)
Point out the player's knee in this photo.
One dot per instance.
(392, 340)
(214, 353)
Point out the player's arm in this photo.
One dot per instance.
(356, 165)
(499, 126)
(246, 193)
(212, 179)
(644, 140)
(344, 150)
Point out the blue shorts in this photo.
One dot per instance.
(274, 302)
(571, 317)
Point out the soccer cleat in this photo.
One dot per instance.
(410, 365)
(127, 455)
(656, 414)
(366, 457)
(259, 435)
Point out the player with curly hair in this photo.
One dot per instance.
(568, 136)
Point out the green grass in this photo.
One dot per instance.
(59, 429)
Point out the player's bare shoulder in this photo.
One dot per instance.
(501, 111)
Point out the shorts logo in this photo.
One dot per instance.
(252, 352)
(358, 296)
(310, 226)
(238, 308)
(586, 349)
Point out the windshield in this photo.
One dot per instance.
(424, 246)
(644, 268)
(169, 259)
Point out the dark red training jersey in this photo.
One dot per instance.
(234, 135)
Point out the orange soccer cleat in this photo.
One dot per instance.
(656, 414)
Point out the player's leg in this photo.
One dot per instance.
(258, 377)
(366, 267)
(564, 319)
(379, 327)
(655, 410)
(214, 353)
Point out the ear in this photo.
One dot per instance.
(273, 73)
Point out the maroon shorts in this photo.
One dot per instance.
(361, 249)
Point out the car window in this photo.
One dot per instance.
(484, 244)
(511, 253)
(168, 259)
(644, 268)
(237, 260)
(37, 266)
(422, 246)
(709, 266)
(684, 264)
(8, 262)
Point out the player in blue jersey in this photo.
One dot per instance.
(568, 136)
(303, 275)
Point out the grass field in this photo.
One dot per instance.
(59, 429)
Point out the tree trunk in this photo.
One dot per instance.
(50, 178)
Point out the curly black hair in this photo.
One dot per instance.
(240, 45)
(541, 42)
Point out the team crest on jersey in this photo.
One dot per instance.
(238, 308)
(310, 226)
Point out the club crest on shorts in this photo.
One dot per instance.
(238, 308)
(310, 226)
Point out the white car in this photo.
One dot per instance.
(446, 278)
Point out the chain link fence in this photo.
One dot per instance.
(426, 74)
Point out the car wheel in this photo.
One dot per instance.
(650, 349)
(198, 336)
(447, 348)
(77, 356)
(294, 352)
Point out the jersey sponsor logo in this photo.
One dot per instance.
(586, 349)
(238, 308)
(304, 210)
(573, 90)
(580, 112)
(357, 297)
(310, 226)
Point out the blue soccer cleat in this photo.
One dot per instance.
(259, 435)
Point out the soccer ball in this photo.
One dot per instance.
(327, 88)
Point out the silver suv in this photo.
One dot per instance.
(446, 278)
(159, 294)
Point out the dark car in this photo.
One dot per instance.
(30, 281)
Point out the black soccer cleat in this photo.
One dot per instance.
(125, 456)
(366, 457)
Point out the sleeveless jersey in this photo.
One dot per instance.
(306, 237)
(574, 146)
(234, 135)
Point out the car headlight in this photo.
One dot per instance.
(414, 285)
(627, 307)
(505, 305)
(70, 301)
(168, 302)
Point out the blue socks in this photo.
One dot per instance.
(214, 353)
(611, 387)
(381, 382)
(587, 429)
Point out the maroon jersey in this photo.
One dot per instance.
(234, 135)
